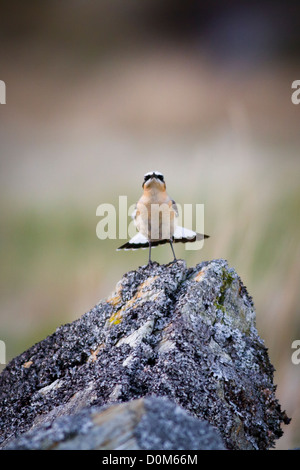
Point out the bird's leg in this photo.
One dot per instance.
(175, 259)
(149, 261)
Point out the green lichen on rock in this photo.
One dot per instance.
(227, 277)
(231, 304)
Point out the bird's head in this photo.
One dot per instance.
(154, 179)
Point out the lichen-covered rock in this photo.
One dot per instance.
(150, 423)
(186, 334)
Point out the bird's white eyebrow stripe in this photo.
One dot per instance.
(153, 172)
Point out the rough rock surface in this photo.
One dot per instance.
(150, 423)
(186, 334)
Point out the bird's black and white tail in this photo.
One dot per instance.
(181, 234)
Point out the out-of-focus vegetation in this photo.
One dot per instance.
(99, 93)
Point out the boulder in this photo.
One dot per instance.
(187, 334)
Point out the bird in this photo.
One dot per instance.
(155, 217)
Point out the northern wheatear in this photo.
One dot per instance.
(155, 218)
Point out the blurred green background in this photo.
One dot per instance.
(99, 93)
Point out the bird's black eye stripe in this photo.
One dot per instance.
(160, 177)
(147, 177)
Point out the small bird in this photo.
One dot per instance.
(155, 217)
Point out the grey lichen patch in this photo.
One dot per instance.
(219, 352)
(53, 386)
(166, 426)
(144, 293)
(165, 345)
(137, 336)
(162, 332)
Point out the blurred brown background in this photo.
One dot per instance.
(99, 93)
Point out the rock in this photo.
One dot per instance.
(150, 423)
(185, 334)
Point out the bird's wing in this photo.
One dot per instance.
(173, 204)
(133, 215)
